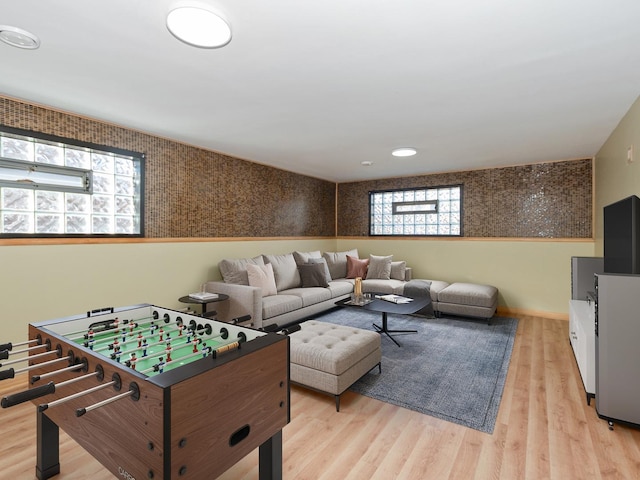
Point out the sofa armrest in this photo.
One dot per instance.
(243, 300)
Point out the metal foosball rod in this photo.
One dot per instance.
(76, 395)
(30, 357)
(133, 392)
(9, 346)
(99, 374)
(11, 373)
(78, 366)
(5, 354)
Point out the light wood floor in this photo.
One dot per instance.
(544, 430)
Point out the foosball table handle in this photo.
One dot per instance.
(31, 394)
(9, 373)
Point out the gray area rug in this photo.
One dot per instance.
(453, 369)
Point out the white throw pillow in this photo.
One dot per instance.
(262, 276)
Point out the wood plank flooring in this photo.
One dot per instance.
(544, 430)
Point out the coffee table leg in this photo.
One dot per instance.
(384, 329)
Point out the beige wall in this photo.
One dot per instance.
(46, 282)
(615, 177)
(532, 276)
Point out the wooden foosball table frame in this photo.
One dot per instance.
(191, 422)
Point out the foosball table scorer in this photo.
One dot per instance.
(154, 393)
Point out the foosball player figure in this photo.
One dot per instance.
(159, 367)
(152, 328)
(168, 351)
(115, 344)
(140, 339)
(195, 343)
(180, 328)
(205, 350)
(90, 338)
(168, 339)
(132, 327)
(124, 334)
(133, 360)
(144, 347)
(116, 354)
(161, 332)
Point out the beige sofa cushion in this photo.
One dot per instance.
(234, 270)
(337, 262)
(285, 270)
(379, 267)
(303, 257)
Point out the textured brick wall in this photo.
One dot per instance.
(191, 192)
(547, 200)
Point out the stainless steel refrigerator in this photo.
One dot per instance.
(618, 348)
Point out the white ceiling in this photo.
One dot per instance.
(319, 87)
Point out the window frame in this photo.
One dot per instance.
(138, 157)
(394, 206)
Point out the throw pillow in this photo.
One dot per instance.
(285, 270)
(398, 270)
(313, 275)
(262, 276)
(303, 257)
(337, 262)
(234, 270)
(323, 262)
(357, 267)
(379, 267)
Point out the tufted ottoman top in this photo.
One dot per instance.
(331, 348)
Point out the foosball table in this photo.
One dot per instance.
(154, 393)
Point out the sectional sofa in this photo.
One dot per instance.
(287, 288)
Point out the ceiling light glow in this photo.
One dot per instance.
(404, 152)
(198, 27)
(17, 37)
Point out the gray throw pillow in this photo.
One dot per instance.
(313, 275)
(323, 262)
(379, 267)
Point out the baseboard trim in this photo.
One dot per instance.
(515, 312)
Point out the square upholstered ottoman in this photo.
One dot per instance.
(468, 299)
(330, 358)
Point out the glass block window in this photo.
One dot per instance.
(433, 211)
(51, 186)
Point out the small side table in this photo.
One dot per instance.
(204, 303)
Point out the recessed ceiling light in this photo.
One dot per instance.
(198, 27)
(404, 152)
(17, 37)
(366, 163)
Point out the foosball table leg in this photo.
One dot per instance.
(270, 458)
(48, 458)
